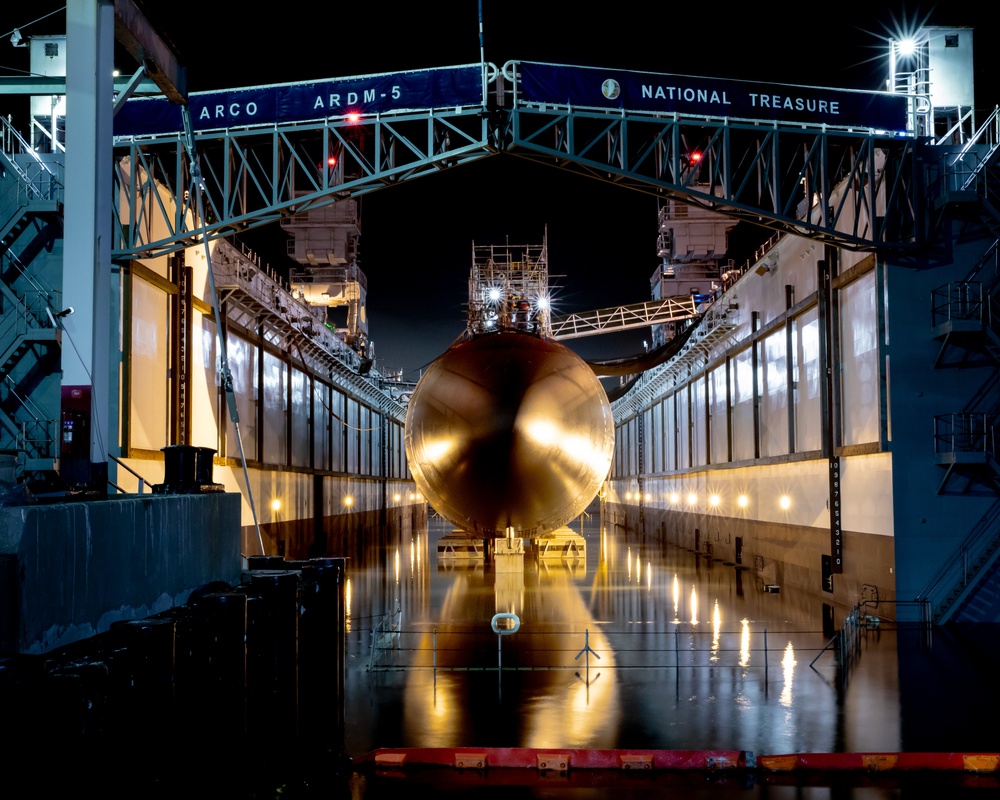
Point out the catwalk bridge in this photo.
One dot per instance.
(772, 154)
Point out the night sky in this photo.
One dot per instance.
(417, 238)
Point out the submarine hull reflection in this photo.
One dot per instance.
(509, 430)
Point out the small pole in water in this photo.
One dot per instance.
(765, 661)
(588, 650)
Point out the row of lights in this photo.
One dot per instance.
(714, 500)
(348, 500)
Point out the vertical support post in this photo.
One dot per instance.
(765, 656)
(88, 230)
(755, 371)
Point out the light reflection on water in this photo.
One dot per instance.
(611, 653)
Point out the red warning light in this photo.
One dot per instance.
(331, 161)
(353, 117)
(695, 157)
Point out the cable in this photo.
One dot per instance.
(22, 27)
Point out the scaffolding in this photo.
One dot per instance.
(509, 289)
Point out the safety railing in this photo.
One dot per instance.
(960, 301)
(955, 574)
(684, 649)
(965, 432)
(384, 637)
(142, 482)
(40, 178)
(32, 433)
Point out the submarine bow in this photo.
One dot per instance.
(509, 431)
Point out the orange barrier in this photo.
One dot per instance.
(564, 760)
(880, 762)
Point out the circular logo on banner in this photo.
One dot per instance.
(610, 89)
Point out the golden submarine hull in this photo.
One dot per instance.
(509, 430)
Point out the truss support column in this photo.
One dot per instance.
(830, 417)
(88, 225)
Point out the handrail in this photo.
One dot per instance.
(960, 558)
(127, 468)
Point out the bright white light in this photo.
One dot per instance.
(714, 500)
(436, 449)
(674, 498)
(742, 501)
(494, 294)
(692, 499)
(907, 47)
(543, 303)
(785, 502)
(543, 432)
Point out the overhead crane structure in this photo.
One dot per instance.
(778, 174)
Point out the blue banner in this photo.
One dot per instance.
(589, 87)
(444, 87)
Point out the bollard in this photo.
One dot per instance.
(145, 683)
(178, 469)
(219, 662)
(272, 682)
(322, 649)
(265, 562)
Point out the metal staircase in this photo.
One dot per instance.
(30, 223)
(965, 322)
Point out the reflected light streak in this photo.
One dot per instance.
(744, 642)
(788, 670)
(443, 716)
(694, 606)
(395, 565)
(649, 576)
(435, 449)
(629, 569)
(716, 631)
(347, 601)
(677, 598)
(576, 448)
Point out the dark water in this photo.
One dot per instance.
(645, 645)
(626, 643)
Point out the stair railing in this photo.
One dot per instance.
(960, 568)
(38, 175)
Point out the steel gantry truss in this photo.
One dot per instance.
(785, 176)
(253, 176)
(858, 189)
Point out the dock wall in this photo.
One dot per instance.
(70, 570)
